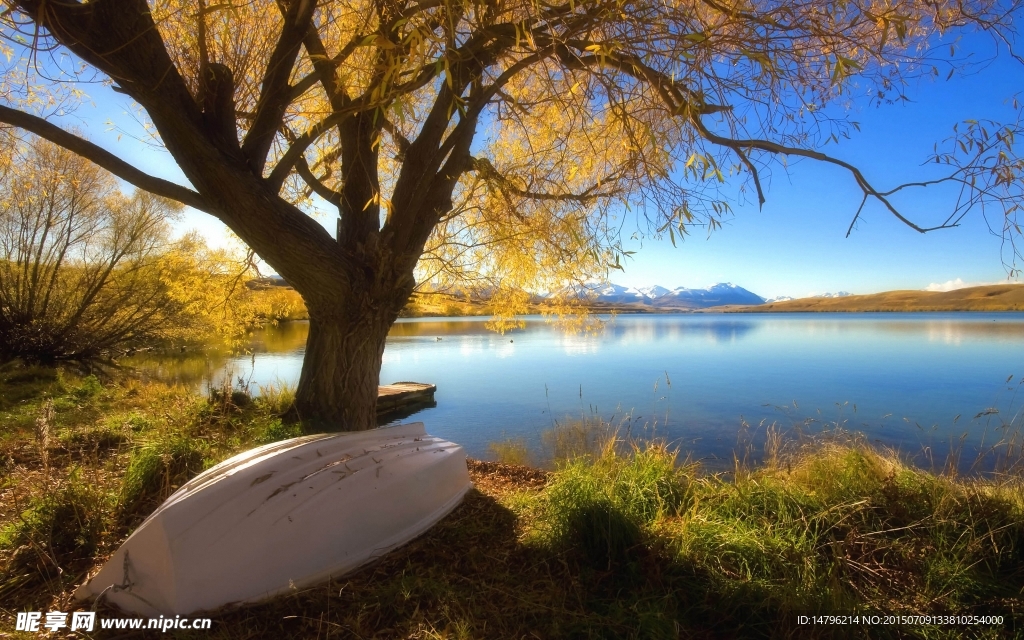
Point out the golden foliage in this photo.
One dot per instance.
(212, 290)
(87, 271)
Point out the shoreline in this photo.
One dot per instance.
(988, 298)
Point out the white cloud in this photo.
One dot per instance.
(950, 285)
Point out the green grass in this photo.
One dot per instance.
(603, 507)
(618, 540)
(157, 467)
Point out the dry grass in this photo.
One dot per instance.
(443, 305)
(999, 297)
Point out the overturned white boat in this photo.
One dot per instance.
(284, 516)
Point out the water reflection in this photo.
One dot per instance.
(623, 329)
(190, 368)
(694, 378)
(283, 338)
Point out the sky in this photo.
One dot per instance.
(795, 245)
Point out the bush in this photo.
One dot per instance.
(89, 388)
(87, 272)
(102, 437)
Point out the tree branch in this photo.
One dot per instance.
(776, 148)
(400, 140)
(682, 101)
(319, 188)
(291, 157)
(489, 173)
(276, 94)
(104, 158)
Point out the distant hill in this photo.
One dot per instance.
(268, 282)
(998, 297)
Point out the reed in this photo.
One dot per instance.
(511, 451)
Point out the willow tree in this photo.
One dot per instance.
(503, 138)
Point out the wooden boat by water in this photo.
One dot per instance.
(284, 516)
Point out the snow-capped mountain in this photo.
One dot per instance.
(679, 298)
(653, 292)
(616, 294)
(713, 296)
(779, 299)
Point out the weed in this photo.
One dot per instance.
(577, 438)
(43, 422)
(61, 528)
(275, 430)
(157, 468)
(88, 388)
(511, 451)
(602, 507)
(275, 399)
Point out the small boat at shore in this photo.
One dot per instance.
(281, 517)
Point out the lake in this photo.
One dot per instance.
(710, 383)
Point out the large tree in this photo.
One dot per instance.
(503, 138)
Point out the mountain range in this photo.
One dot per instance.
(658, 297)
(640, 298)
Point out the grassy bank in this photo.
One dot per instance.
(616, 541)
(999, 297)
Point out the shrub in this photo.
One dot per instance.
(275, 398)
(89, 388)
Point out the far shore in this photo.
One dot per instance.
(990, 298)
(999, 297)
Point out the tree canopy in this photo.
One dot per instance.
(505, 140)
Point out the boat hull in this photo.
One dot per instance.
(284, 516)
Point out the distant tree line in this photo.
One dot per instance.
(87, 271)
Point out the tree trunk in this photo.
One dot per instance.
(337, 388)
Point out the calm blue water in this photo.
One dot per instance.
(697, 379)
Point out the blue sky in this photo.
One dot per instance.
(795, 245)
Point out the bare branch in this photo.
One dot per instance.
(105, 159)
